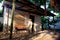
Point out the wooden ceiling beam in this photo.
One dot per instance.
(36, 10)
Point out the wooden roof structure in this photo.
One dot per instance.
(27, 6)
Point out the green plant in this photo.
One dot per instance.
(43, 19)
(0, 12)
(1, 0)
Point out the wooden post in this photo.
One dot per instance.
(42, 25)
(3, 15)
(3, 12)
(54, 26)
(11, 28)
(7, 29)
(48, 24)
(52, 3)
(45, 7)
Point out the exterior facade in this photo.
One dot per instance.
(25, 13)
(21, 19)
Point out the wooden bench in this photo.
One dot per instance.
(21, 27)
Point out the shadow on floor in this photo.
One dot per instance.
(31, 35)
(58, 38)
(27, 37)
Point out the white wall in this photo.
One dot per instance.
(37, 23)
(5, 18)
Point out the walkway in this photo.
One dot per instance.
(42, 35)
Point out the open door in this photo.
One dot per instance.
(32, 19)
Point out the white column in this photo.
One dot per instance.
(4, 19)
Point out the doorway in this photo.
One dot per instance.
(1, 27)
(32, 19)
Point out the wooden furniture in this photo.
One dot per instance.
(21, 27)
